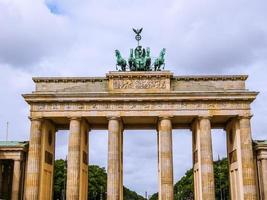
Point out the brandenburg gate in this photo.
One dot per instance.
(132, 100)
(140, 99)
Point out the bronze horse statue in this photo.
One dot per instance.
(120, 61)
(160, 60)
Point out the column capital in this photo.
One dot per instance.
(204, 117)
(244, 117)
(114, 118)
(117, 118)
(35, 118)
(165, 117)
(75, 118)
(18, 159)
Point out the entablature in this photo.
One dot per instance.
(144, 82)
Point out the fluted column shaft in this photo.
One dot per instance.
(206, 159)
(264, 178)
(73, 170)
(248, 169)
(1, 177)
(114, 185)
(33, 168)
(204, 185)
(16, 180)
(165, 159)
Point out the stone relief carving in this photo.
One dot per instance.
(106, 106)
(139, 84)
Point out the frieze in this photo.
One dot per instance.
(139, 106)
(139, 84)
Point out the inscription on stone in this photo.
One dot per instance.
(105, 106)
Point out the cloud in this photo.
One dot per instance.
(13, 108)
(30, 32)
(216, 36)
(70, 38)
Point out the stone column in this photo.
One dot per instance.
(203, 160)
(165, 167)
(248, 168)
(47, 160)
(263, 185)
(1, 177)
(84, 160)
(16, 180)
(33, 166)
(73, 171)
(114, 185)
(240, 156)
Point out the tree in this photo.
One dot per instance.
(97, 185)
(131, 195)
(154, 196)
(184, 188)
(60, 178)
(221, 176)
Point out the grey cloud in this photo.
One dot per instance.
(219, 37)
(29, 33)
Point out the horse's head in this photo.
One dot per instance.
(163, 51)
(117, 53)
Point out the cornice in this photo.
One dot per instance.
(139, 74)
(211, 78)
(177, 96)
(67, 79)
(166, 74)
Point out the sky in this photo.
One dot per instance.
(78, 38)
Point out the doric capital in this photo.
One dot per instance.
(75, 118)
(36, 118)
(169, 117)
(204, 117)
(249, 116)
(114, 118)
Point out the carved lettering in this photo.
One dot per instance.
(113, 106)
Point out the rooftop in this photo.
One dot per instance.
(259, 142)
(13, 143)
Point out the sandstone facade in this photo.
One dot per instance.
(133, 100)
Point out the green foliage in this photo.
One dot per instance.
(60, 178)
(221, 176)
(154, 196)
(131, 195)
(184, 188)
(97, 185)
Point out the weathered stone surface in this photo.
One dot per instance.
(203, 160)
(140, 82)
(260, 149)
(74, 151)
(33, 169)
(165, 158)
(126, 99)
(114, 184)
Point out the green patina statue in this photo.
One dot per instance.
(160, 61)
(120, 61)
(139, 59)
